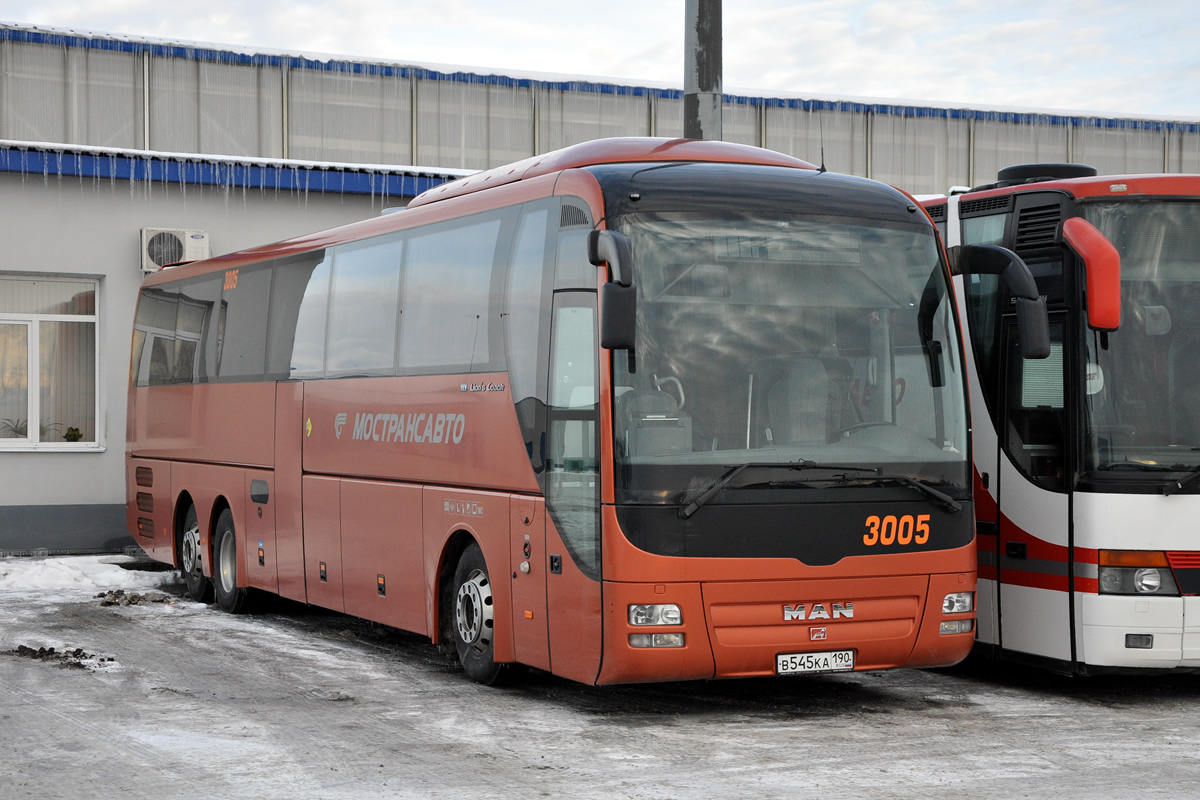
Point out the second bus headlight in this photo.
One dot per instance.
(1136, 572)
(668, 614)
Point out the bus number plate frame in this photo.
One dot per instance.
(808, 663)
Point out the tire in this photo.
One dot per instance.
(225, 578)
(473, 623)
(199, 588)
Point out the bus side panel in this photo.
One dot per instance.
(151, 500)
(381, 554)
(530, 565)
(258, 540)
(221, 423)
(456, 430)
(576, 615)
(210, 487)
(484, 516)
(323, 542)
(289, 520)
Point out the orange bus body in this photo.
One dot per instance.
(360, 493)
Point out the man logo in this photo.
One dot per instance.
(800, 613)
(339, 422)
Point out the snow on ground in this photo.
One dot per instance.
(77, 577)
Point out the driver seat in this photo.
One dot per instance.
(798, 404)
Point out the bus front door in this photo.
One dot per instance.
(573, 489)
(1033, 550)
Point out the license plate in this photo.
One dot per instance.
(831, 661)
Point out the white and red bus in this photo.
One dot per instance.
(1087, 464)
(635, 410)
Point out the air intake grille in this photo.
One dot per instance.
(937, 212)
(1001, 203)
(572, 216)
(1037, 227)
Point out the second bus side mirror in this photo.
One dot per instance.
(1102, 267)
(618, 298)
(1033, 321)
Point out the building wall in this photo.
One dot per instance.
(132, 93)
(60, 226)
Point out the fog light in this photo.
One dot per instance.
(1147, 581)
(1110, 580)
(1139, 641)
(957, 626)
(958, 603)
(655, 615)
(656, 640)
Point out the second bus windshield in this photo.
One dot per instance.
(1142, 383)
(781, 338)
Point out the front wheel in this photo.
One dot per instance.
(199, 588)
(474, 621)
(225, 578)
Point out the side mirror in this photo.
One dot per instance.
(618, 299)
(1102, 266)
(1033, 322)
(618, 314)
(615, 249)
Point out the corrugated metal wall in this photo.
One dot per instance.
(92, 90)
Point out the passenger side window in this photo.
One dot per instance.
(363, 306)
(244, 302)
(447, 286)
(308, 348)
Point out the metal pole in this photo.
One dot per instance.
(702, 70)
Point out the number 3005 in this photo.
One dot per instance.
(905, 529)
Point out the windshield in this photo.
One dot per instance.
(1142, 382)
(777, 338)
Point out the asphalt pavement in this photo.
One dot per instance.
(149, 695)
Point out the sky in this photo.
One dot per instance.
(1106, 56)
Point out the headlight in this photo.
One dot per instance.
(668, 614)
(1136, 572)
(958, 603)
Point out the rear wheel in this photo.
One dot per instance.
(474, 621)
(199, 588)
(225, 577)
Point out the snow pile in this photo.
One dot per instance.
(75, 576)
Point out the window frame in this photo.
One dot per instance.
(32, 442)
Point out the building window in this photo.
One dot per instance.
(48, 359)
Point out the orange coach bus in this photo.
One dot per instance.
(635, 410)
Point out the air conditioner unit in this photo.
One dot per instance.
(162, 246)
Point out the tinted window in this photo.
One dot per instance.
(363, 307)
(574, 271)
(244, 305)
(524, 311)
(199, 327)
(447, 286)
(175, 336)
(298, 306)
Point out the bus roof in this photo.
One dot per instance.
(610, 151)
(600, 151)
(1115, 186)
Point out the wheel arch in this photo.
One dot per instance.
(182, 504)
(443, 617)
(220, 503)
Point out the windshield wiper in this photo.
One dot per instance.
(1171, 487)
(687, 510)
(943, 499)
